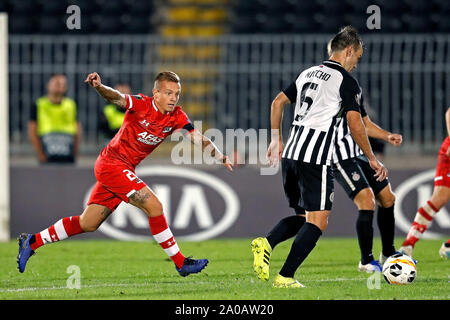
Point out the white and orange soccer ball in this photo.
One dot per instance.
(399, 269)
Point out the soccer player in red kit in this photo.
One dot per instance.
(148, 121)
(441, 195)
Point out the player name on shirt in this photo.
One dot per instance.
(322, 94)
(319, 74)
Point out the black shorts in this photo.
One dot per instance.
(355, 175)
(307, 186)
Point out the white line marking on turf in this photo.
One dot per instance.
(103, 285)
(107, 285)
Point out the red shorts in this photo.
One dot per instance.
(442, 177)
(116, 182)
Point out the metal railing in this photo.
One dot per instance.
(230, 81)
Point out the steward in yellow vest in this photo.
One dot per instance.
(112, 117)
(53, 128)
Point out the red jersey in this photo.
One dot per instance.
(143, 129)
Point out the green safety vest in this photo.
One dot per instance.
(113, 116)
(56, 118)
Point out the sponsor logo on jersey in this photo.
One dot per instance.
(167, 129)
(145, 123)
(149, 138)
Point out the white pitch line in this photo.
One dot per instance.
(106, 285)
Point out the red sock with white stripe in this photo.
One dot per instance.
(61, 230)
(162, 234)
(423, 218)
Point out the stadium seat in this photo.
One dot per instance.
(391, 24)
(136, 24)
(442, 6)
(187, 14)
(4, 7)
(52, 24)
(390, 6)
(54, 7)
(243, 24)
(359, 21)
(21, 24)
(112, 8)
(441, 23)
(87, 7)
(301, 23)
(305, 7)
(269, 25)
(246, 8)
(417, 23)
(332, 7)
(213, 15)
(418, 7)
(328, 23)
(275, 7)
(107, 24)
(24, 7)
(139, 7)
(359, 6)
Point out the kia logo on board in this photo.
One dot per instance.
(197, 205)
(421, 186)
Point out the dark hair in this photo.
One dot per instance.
(56, 74)
(167, 76)
(347, 36)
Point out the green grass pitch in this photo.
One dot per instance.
(131, 270)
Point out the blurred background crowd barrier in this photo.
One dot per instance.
(233, 58)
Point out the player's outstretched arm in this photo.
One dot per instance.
(375, 131)
(109, 94)
(358, 132)
(207, 145)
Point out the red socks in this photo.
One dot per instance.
(422, 220)
(162, 234)
(70, 226)
(61, 230)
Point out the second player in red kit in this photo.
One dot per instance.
(148, 121)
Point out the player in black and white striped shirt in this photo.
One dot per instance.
(323, 95)
(351, 169)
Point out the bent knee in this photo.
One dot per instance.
(387, 201)
(365, 200)
(88, 226)
(145, 200)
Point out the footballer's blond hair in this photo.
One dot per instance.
(166, 76)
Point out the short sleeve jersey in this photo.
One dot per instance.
(322, 95)
(144, 128)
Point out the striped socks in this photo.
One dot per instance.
(163, 235)
(61, 230)
(423, 218)
(70, 226)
